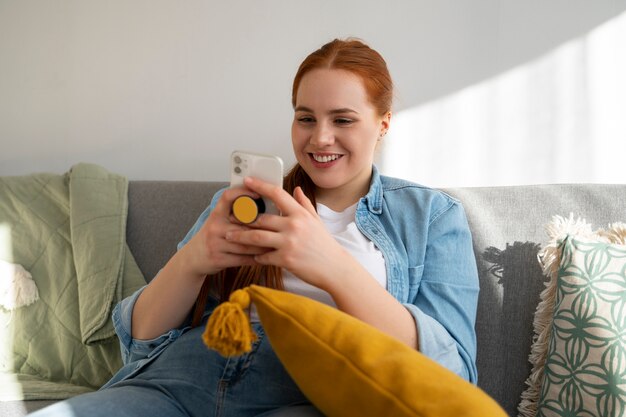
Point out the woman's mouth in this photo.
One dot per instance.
(324, 158)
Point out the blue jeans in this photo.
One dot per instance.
(187, 379)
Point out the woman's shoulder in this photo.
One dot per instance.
(429, 203)
(398, 187)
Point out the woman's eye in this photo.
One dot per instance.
(305, 119)
(342, 121)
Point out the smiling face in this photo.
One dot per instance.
(334, 134)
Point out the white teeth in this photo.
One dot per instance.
(325, 158)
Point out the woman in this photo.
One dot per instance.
(391, 253)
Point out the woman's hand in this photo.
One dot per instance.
(297, 240)
(208, 252)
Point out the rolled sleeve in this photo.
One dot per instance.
(435, 342)
(134, 350)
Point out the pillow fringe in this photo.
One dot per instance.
(616, 233)
(549, 258)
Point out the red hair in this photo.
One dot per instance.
(356, 57)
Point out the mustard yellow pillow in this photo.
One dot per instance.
(346, 367)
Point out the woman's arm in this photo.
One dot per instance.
(446, 303)
(360, 295)
(167, 301)
(443, 311)
(299, 242)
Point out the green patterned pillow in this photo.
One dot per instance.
(579, 354)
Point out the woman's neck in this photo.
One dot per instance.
(339, 199)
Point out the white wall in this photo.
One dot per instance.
(166, 89)
(558, 118)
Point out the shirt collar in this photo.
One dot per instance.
(374, 197)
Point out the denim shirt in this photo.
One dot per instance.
(427, 246)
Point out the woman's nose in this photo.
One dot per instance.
(322, 136)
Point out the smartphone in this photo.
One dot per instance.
(268, 168)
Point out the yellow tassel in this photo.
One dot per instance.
(228, 330)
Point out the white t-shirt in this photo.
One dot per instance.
(343, 228)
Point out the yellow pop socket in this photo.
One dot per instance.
(246, 209)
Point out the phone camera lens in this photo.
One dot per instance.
(237, 170)
(237, 159)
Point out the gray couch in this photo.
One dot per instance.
(507, 225)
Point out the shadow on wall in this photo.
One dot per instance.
(520, 275)
(517, 272)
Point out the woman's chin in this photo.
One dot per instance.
(325, 183)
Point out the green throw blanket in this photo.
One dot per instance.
(69, 232)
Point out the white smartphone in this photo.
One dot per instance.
(268, 168)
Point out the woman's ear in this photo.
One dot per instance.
(385, 123)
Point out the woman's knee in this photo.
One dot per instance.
(119, 402)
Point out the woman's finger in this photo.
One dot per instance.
(229, 260)
(269, 258)
(258, 238)
(285, 202)
(271, 222)
(276, 223)
(234, 248)
(303, 200)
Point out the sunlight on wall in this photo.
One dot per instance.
(557, 119)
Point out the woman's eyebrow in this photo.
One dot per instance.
(334, 111)
(343, 110)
